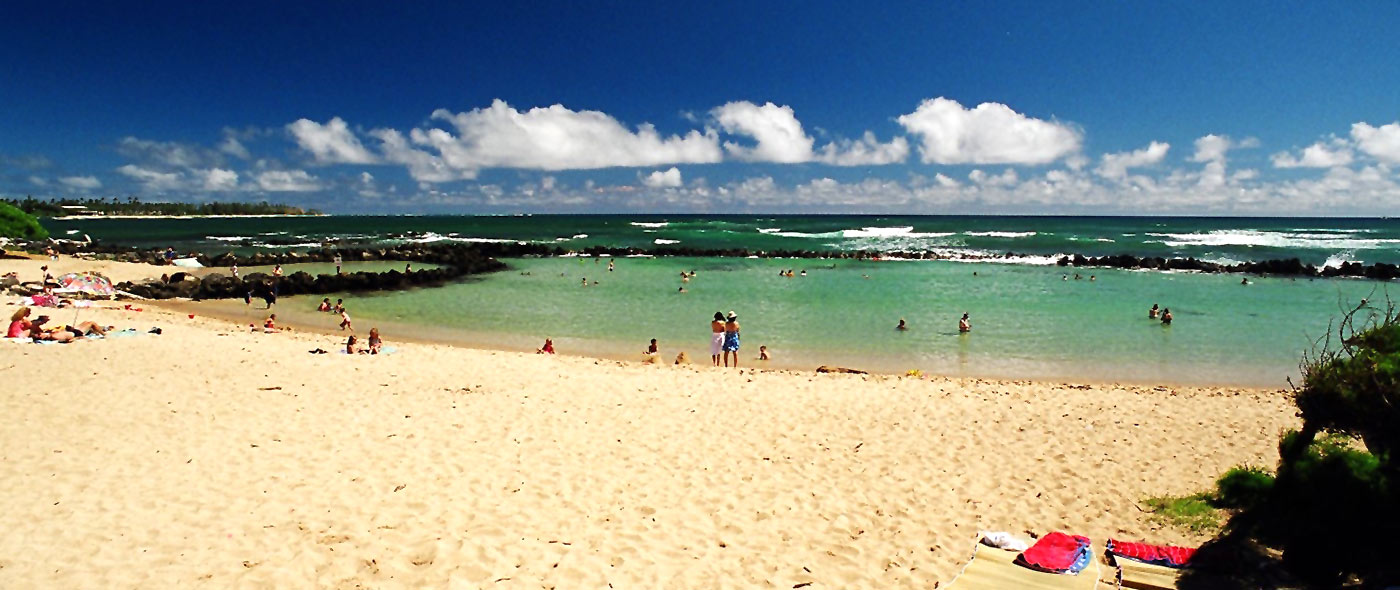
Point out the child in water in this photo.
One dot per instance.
(763, 353)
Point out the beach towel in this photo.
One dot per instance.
(1165, 555)
(1057, 553)
(1004, 540)
(994, 569)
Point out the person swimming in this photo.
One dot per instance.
(964, 325)
(1153, 313)
(902, 326)
(1167, 316)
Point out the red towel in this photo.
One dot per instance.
(1054, 552)
(1159, 554)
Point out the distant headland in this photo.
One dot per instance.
(134, 207)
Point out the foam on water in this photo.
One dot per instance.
(1002, 234)
(662, 242)
(650, 224)
(1272, 239)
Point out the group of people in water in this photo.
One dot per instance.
(1163, 314)
(964, 325)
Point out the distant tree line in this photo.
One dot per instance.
(135, 206)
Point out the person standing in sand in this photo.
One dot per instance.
(716, 337)
(964, 326)
(731, 339)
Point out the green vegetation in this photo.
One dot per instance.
(1332, 510)
(1195, 513)
(134, 206)
(15, 223)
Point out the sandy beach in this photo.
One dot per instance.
(210, 456)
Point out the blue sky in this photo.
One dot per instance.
(1206, 108)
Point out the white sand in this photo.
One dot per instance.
(210, 456)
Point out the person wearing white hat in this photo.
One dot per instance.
(731, 339)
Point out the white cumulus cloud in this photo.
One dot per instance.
(1115, 166)
(778, 137)
(153, 180)
(1317, 155)
(86, 183)
(866, 151)
(663, 179)
(332, 143)
(1382, 143)
(989, 133)
(556, 138)
(422, 166)
(775, 130)
(287, 181)
(219, 179)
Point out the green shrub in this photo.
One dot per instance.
(1337, 481)
(18, 224)
(1243, 487)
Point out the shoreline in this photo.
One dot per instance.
(219, 310)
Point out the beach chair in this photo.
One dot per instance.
(992, 569)
(1145, 576)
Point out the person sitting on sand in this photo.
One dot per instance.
(763, 353)
(716, 337)
(548, 347)
(375, 343)
(270, 324)
(652, 348)
(1167, 316)
(902, 326)
(345, 320)
(19, 324)
(1153, 313)
(350, 347)
(731, 339)
(964, 325)
(38, 333)
(325, 305)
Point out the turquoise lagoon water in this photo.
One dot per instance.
(1028, 322)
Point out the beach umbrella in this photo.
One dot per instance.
(85, 284)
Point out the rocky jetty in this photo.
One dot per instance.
(1291, 267)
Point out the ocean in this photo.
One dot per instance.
(1031, 319)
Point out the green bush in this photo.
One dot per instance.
(16, 224)
(1243, 487)
(1337, 487)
